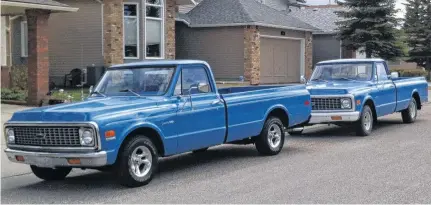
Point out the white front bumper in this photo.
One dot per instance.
(318, 118)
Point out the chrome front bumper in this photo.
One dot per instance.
(319, 118)
(49, 159)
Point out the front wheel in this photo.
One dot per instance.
(50, 174)
(271, 139)
(138, 162)
(409, 115)
(364, 126)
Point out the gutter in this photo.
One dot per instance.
(38, 6)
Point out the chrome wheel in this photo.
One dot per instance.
(274, 135)
(140, 161)
(413, 109)
(367, 121)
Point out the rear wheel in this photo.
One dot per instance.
(138, 162)
(409, 115)
(271, 139)
(364, 126)
(50, 174)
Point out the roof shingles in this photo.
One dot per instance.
(322, 18)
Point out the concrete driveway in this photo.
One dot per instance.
(325, 165)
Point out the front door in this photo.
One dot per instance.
(386, 96)
(201, 115)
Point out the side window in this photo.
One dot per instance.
(381, 72)
(192, 76)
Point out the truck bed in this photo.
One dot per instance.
(248, 107)
(406, 86)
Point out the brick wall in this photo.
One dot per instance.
(113, 50)
(252, 54)
(5, 77)
(170, 29)
(308, 54)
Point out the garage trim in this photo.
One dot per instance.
(302, 63)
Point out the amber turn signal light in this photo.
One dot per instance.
(74, 161)
(336, 118)
(110, 134)
(19, 158)
(358, 102)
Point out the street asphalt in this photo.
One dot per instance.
(328, 164)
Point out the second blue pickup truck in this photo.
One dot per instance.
(139, 112)
(358, 91)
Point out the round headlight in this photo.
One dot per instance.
(87, 138)
(346, 103)
(10, 134)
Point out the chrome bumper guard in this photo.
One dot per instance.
(319, 118)
(48, 159)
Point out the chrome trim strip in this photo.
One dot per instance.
(352, 97)
(97, 146)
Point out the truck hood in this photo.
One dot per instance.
(337, 87)
(86, 110)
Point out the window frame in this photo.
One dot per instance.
(137, 31)
(377, 71)
(24, 39)
(180, 79)
(162, 7)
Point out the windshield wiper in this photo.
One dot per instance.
(318, 79)
(343, 78)
(98, 93)
(131, 91)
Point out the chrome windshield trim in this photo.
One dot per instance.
(96, 147)
(352, 97)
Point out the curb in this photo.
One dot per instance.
(14, 102)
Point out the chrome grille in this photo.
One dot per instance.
(47, 136)
(330, 103)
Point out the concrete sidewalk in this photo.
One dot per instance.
(8, 168)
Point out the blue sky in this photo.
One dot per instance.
(319, 2)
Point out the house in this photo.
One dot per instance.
(246, 38)
(99, 34)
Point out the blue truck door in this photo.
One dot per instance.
(201, 122)
(386, 96)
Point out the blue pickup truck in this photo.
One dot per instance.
(358, 91)
(141, 111)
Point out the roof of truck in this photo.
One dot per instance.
(352, 60)
(159, 63)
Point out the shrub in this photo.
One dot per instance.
(410, 72)
(19, 77)
(13, 94)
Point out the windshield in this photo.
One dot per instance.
(348, 71)
(135, 81)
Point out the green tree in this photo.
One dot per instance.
(417, 26)
(370, 25)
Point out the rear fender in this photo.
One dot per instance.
(274, 107)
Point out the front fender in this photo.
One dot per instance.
(364, 99)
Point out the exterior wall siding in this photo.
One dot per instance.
(75, 39)
(222, 48)
(326, 47)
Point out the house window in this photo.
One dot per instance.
(154, 32)
(24, 39)
(131, 31)
(4, 41)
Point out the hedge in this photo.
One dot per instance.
(13, 94)
(410, 72)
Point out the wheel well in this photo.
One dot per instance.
(370, 103)
(418, 100)
(280, 114)
(150, 133)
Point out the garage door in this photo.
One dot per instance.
(280, 60)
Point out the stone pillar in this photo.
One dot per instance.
(171, 7)
(38, 55)
(252, 54)
(308, 54)
(113, 50)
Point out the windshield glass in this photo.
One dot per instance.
(348, 71)
(135, 81)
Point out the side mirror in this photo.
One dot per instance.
(303, 79)
(194, 87)
(395, 75)
(90, 91)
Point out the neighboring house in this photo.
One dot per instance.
(102, 33)
(246, 38)
(325, 44)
